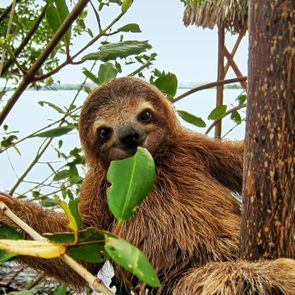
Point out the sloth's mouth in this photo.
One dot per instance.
(118, 153)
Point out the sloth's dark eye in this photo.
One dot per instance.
(145, 116)
(104, 133)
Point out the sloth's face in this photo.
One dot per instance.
(123, 126)
(123, 114)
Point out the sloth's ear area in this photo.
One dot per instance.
(7, 199)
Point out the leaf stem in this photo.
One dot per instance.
(117, 228)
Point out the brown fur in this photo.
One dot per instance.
(190, 217)
(238, 278)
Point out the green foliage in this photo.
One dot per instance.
(190, 118)
(132, 179)
(126, 4)
(106, 72)
(56, 13)
(167, 83)
(55, 132)
(60, 290)
(65, 170)
(7, 232)
(112, 51)
(132, 259)
(218, 112)
(134, 28)
(93, 253)
(236, 117)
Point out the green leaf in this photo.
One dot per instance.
(122, 49)
(8, 141)
(107, 71)
(167, 83)
(52, 105)
(73, 173)
(126, 4)
(55, 132)
(55, 15)
(132, 259)
(93, 234)
(192, 119)
(242, 99)
(94, 253)
(85, 235)
(236, 117)
(60, 175)
(134, 28)
(7, 232)
(63, 238)
(48, 202)
(132, 179)
(218, 112)
(90, 76)
(5, 256)
(73, 205)
(60, 290)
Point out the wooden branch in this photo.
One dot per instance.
(220, 76)
(208, 86)
(236, 108)
(235, 48)
(234, 67)
(29, 77)
(13, 4)
(6, 11)
(96, 283)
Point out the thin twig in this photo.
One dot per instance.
(236, 108)
(46, 143)
(41, 150)
(91, 42)
(141, 68)
(97, 17)
(209, 85)
(6, 11)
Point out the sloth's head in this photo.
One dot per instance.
(123, 114)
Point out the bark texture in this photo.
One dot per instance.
(269, 176)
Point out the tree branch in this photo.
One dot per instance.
(28, 78)
(6, 11)
(7, 33)
(236, 108)
(26, 39)
(97, 284)
(209, 85)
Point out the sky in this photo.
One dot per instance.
(190, 53)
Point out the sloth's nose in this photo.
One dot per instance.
(130, 137)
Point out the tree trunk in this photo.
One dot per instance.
(268, 216)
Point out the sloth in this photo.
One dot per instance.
(189, 224)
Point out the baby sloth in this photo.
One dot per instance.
(188, 226)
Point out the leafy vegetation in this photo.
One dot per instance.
(33, 50)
